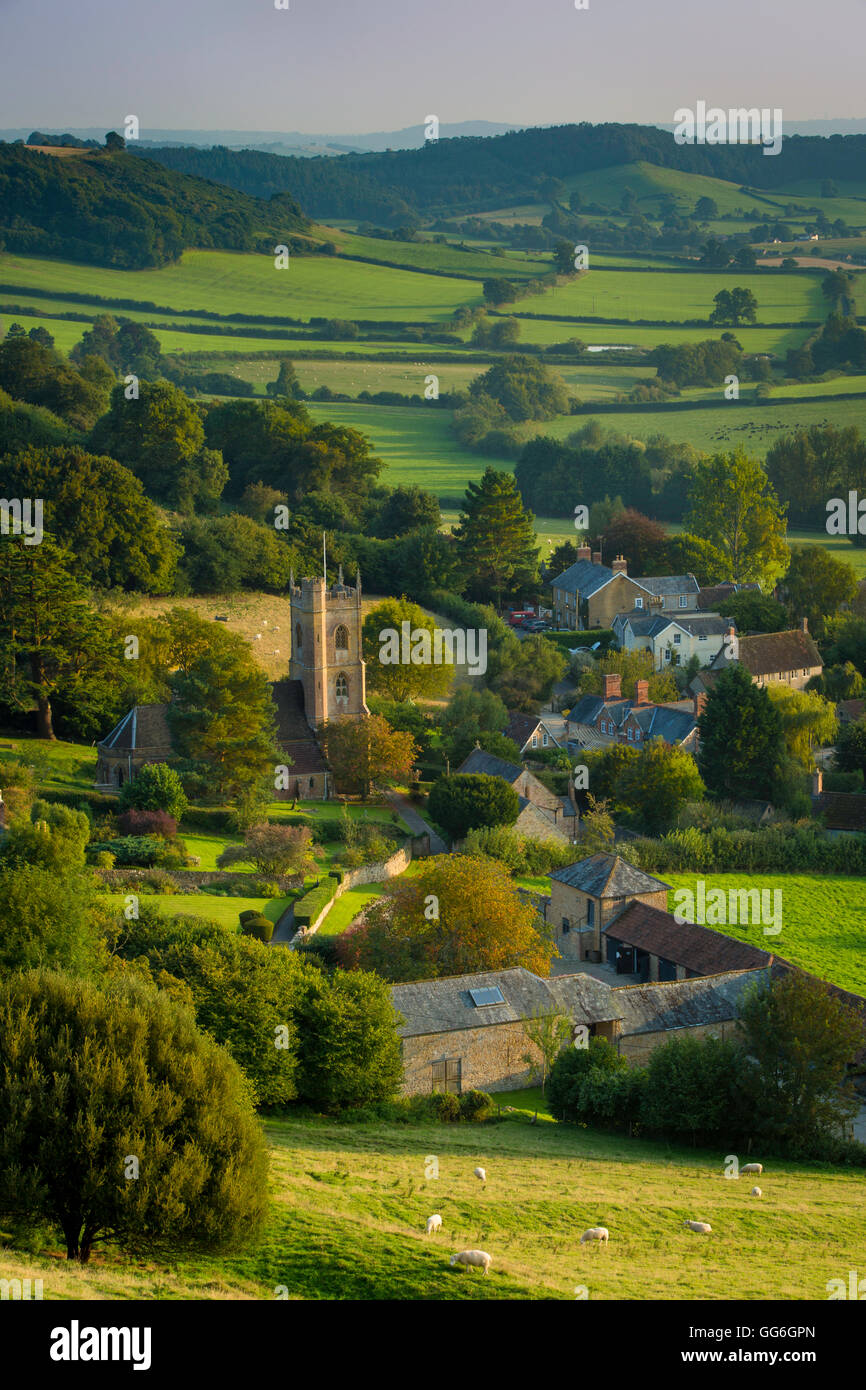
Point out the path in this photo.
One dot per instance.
(416, 823)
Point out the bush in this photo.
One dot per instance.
(258, 926)
(784, 846)
(475, 1105)
(104, 859)
(136, 822)
(445, 1105)
(139, 851)
(155, 787)
(308, 908)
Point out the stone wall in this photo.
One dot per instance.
(491, 1058)
(379, 872)
(637, 1047)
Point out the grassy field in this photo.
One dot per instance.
(349, 1204)
(545, 331)
(226, 282)
(638, 295)
(224, 911)
(823, 921)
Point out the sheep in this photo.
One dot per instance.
(756, 1192)
(752, 1168)
(481, 1176)
(599, 1233)
(434, 1223)
(703, 1228)
(479, 1258)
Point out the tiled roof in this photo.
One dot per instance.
(673, 723)
(479, 761)
(842, 810)
(521, 727)
(444, 1006)
(850, 710)
(683, 1003)
(143, 730)
(697, 948)
(608, 876)
(696, 624)
(583, 578)
(765, 653)
(670, 584)
(716, 594)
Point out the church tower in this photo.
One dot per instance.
(326, 650)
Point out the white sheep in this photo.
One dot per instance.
(479, 1258)
(481, 1175)
(703, 1228)
(599, 1233)
(752, 1168)
(434, 1223)
(756, 1192)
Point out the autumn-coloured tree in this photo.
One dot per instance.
(460, 914)
(368, 752)
(273, 849)
(640, 539)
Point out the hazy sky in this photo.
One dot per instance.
(364, 65)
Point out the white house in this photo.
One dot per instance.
(673, 641)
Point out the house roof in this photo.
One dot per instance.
(768, 652)
(653, 624)
(669, 584)
(521, 727)
(585, 578)
(607, 876)
(479, 761)
(144, 730)
(842, 810)
(294, 735)
(673, 1004)
(697, 948)
(445, 1005)
(850, 710)
(716, 594)
(674, 723)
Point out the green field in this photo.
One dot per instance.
(670, 295)
(545, 331)
(226, 282)
(349, 1203)
(224, 911)
(823, 921)
(427, 255)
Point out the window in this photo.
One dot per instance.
(702, 638)
(299, 636)
(638, 603)
(545, 740)
(590, 912)
(678, 637)
(341, 639)
(446, 1075)
(490, 994)
(684, 603)
(637, 735)
(341, 688)
(631, 735)
(566, 926)
(535, 740)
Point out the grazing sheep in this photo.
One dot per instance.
(703, 1228)
(599, 1233)
(756, 1192)
(434, 1223)
(481, 1175)
(752, 1168)
(478, 1258)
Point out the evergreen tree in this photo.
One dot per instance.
(495, 539)
(741, 743)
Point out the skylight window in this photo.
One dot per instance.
(480, 997)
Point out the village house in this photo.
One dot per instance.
(714, 596)
(672, 641)
(589, 594)
(586, 895)
(543, 815)
(790, 658)
(534, 732)
(843, 813)
(598, 720)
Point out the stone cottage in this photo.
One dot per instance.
(584, 896)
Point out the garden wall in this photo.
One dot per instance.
(379, 872)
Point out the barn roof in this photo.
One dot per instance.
(446, 1005)
(765, 653)
(841, 810)
(683, 1003)
(608, 876)
(697, 948)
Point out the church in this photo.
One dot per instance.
(326, 683)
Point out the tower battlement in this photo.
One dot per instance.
(327, 649)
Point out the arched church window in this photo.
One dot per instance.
(299, 636)
(341, 639)
(342, 687)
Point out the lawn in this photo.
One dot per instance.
(349, 1203)
(823, 921)
(59, 765)
(224, 911)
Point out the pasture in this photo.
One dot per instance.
(823, 921)
(672, 295)
(349, 1202)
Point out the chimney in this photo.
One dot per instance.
(817, 781)
(596, 557)
(584, 552)
(611, 687)
(804, 624)
(619, 565)
(700, 704)
(641, 692)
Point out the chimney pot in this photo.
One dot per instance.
(641, 692)
(620, 565)
(584, 552)
(804, 623)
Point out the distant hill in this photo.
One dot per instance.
(476, 174)
(295, 141)
(115, 209)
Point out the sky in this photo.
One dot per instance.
(353, 66)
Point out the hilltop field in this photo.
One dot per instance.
(349, 1202)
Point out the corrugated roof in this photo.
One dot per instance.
(697, 948)
(445, 1006)
(608, 876)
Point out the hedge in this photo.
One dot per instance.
(782, 847)
(308, 908)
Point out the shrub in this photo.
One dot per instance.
(308, 907)
(140, 851)
(155, 787)
(136, 822)
(103, 859)
(258, 926)
(445, 1105)
(475, 1105)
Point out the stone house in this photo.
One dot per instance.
(535, 732)
(843, 813)
(704, 1007)
(643, 938)
(543, 815)
(598, 720)
(586, 895)
(672, 641)
(714, 596)
(589, 594)
(790, 658)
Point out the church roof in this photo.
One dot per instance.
(144, 729)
